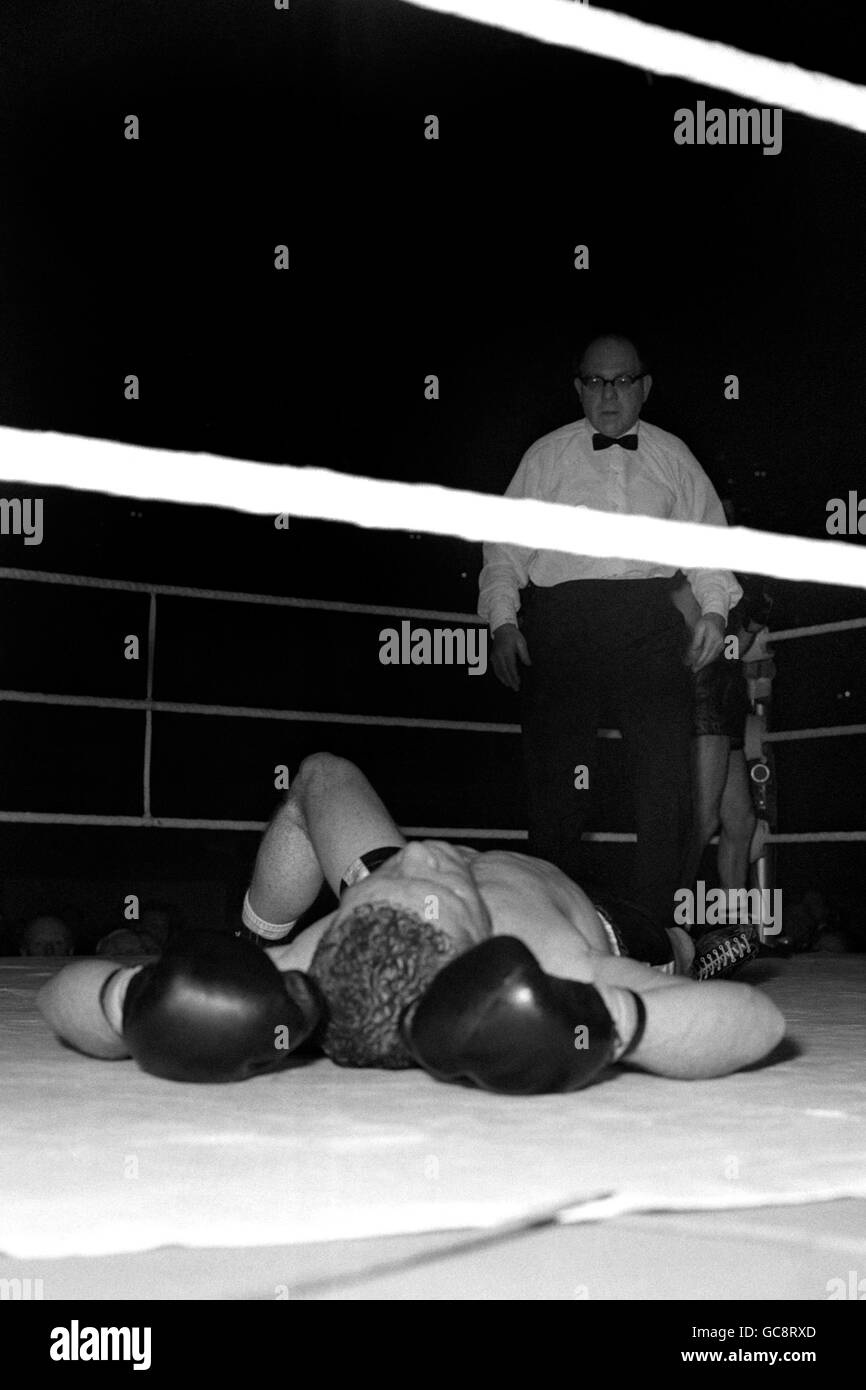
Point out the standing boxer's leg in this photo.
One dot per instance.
(709, 770)
(738, 824)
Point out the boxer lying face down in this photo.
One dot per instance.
(491, 969)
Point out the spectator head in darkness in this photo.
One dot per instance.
(47, 936)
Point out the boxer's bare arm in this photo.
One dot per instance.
(624, 973)
(694, 1030)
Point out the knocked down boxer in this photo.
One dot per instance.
(491, 969)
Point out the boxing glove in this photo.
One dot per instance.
(492, 1017)
(217, 1009)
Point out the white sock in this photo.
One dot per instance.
(271, 931)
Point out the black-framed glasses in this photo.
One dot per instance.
(624, 382)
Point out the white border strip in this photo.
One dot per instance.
(587, 29)
(125, 470)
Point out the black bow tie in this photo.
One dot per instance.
(604, 441)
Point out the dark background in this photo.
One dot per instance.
(408, 257)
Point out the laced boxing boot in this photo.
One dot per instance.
(719, 953)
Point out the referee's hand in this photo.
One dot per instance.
(509, 650)
(707, 638)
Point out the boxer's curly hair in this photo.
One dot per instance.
(370, 966)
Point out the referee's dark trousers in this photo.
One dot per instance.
(610, 647)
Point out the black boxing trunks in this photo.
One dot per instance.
(632, 933)
(721, 701)
(366, 864)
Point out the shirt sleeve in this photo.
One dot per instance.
(506, 567)
(716, 591)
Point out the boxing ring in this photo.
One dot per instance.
(322, 1183)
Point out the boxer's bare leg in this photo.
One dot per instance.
(738, 824)
(287, 876)
(709, 771)
(683, 948)
(330, 816)
(344, 816)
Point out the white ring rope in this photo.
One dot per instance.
(135, 586)
(426, 832)
(816, 630)
(297, 716)
(305, 716)
(18, 575)
(588, 29)
(423, 832)
(817, 837)
(830, 731)
(267, 489)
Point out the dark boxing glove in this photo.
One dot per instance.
(217, 1009)
(494, 1018)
